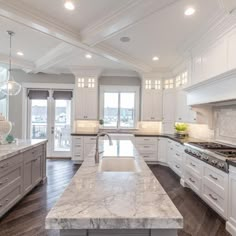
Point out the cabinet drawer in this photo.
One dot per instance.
(147, 148)
(78, 150)
(177, 168)
(13, 175)
(77, 140)
(177, 157)
(193, 164)
(149, 156)
(89, 139)
(215, 176)
(10, 196)
(9, 163)
(193, 181)
(214, 200)
(145, 140)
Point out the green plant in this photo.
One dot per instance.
(101, 122)
(180, 127)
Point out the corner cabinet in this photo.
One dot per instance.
(86, 99)
(152, 100)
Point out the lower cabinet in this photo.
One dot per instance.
(19, 174)
(231, 223)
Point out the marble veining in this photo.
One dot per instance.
(114, 200)
(22, 145)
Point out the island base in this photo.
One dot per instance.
(120, 232)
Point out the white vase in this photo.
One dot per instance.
(5, 128)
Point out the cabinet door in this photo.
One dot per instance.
(88, 147)
(168, 105)
(28, 175)
(181, 107)
(79, 104)
(147, 105)
(37, 170)
(90, 104)
(232, 197)
(162, 150)
(157, 105)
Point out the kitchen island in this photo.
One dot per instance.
(101, 202)
(22, 167)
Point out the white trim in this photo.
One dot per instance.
(120, 89)
(48, 86)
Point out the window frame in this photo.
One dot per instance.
(120, 89)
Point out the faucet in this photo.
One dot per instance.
(97, 142)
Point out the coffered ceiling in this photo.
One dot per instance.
(54, 39)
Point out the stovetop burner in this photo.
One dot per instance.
(211, 145)
(226, 153)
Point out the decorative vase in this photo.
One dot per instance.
(181, 134)
(5, 128)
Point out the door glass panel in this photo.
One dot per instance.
(62, 125)
(111, 105)
(127, 110)
(39, 119)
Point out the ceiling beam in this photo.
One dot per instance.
(59, 54)
(28, 17)
(128, 15)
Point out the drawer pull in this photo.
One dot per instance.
(146, 139)
(171, 149)
(212, 197)
(177, 166)
(1, 205)
(6, 200)
(4, 166)
(146, 156)
(191, 180)
(192, 164)
(146, 146)
(177, 155)
(1, 183)
(213, 177)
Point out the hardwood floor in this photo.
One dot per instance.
(28, 216)
(199, 219)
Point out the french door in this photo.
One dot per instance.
(49, 117)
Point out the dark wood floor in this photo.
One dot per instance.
(27, 217)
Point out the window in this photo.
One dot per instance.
(181, 79)
(119, 107)
(169, 84)
(153, 84)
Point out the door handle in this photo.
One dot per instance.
(52, 130)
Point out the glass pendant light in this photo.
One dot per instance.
(10, 87)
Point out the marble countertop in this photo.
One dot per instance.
(114, 200)
(232, 163)
(21, 145)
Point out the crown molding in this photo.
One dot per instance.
(114, 72)
(126, 16)
(83, 71)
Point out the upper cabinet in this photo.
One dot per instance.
(214, 60)
(86, 102)
(152, 100)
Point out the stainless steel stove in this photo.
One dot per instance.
(214, 154)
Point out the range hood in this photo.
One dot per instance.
(219, 89)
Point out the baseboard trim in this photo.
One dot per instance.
(230, 228)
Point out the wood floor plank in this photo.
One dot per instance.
(28, 216)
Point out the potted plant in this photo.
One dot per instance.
(101, 123)
(181, 129)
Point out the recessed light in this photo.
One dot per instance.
(155, 58)
(125, 39)
(20, 53)
(189, 11)
(69, 5)
(88, 56)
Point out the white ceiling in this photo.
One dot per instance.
(54, 39)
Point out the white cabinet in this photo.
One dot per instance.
(152, 100)
(86, 99)
(169, 97)
(231, 223)
(77, 148)
(162, 149)
(89, 145)
(147, 148)
(184, 113)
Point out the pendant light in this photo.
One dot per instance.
(10, 87)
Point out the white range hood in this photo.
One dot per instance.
(218, 89)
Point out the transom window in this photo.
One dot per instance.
(119, 107)
(169, 84)
(153, 84)
(181, 79)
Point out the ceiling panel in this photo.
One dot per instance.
(32, 43)
(87, 12)
(165, 32)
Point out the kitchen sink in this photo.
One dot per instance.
(118, 164)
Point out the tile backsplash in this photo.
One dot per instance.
(201, 132)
